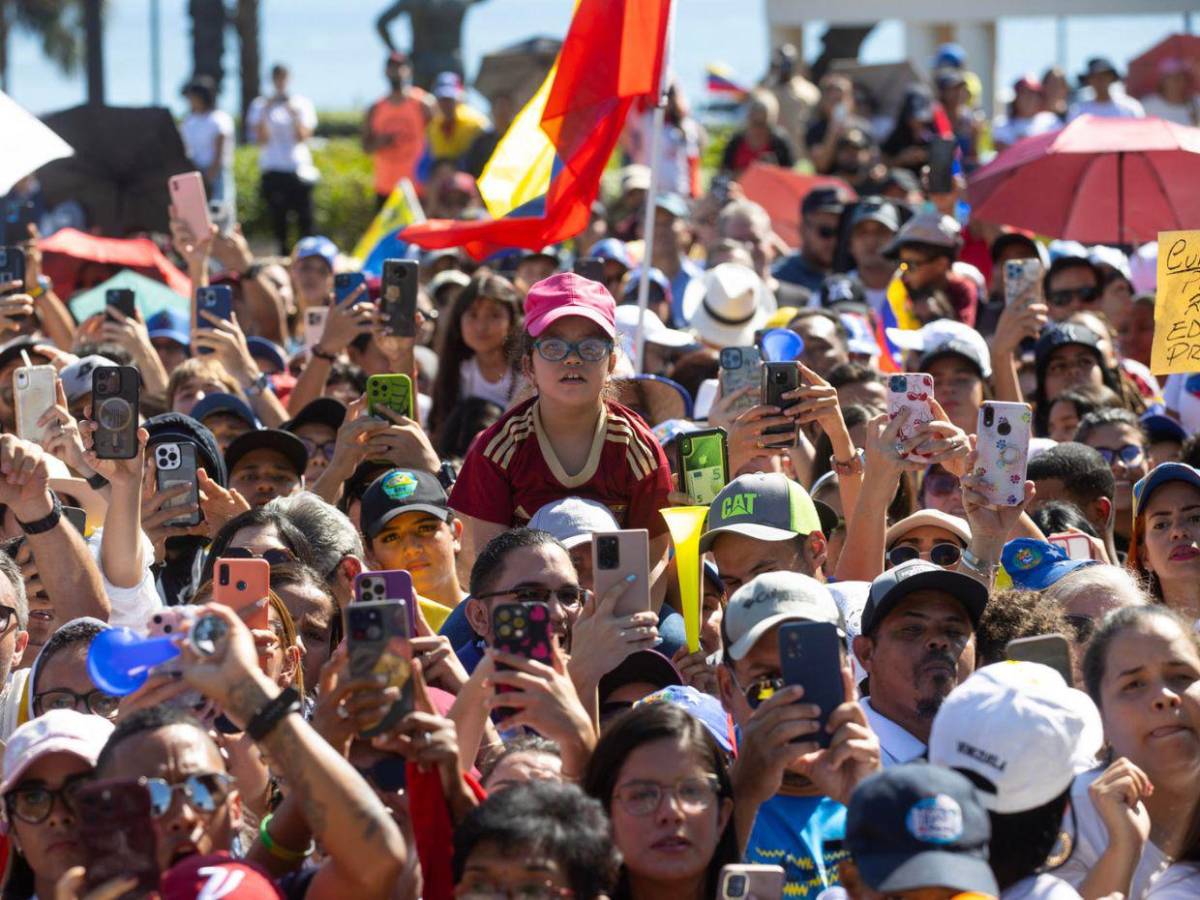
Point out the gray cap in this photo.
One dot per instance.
(77, 377)
(573, 519)
(770, 599)
(876, 209)
(764, 506)
(930, 228)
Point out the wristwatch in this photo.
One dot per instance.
(259, 385)
(47, 522)
(852, 466)
(975, 564)
(264, 721)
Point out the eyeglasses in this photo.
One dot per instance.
(33, 803)
(1065, 296)
(204, 792)
(590, 349)
(1129, 454)
(642, 798)
(388, 775)
(566, 596)
(543, 890)
(1085, 362)
(96, 702)
(275, 556)
(762, 688)
(944, 554)
(1082, 626)
(8, 615)
(312, 447)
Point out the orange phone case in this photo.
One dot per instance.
(242, 585)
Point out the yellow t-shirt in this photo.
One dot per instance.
(451, 140)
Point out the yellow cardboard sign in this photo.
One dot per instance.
(1177, 304)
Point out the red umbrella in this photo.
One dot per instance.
(1142, 78)
(1097, 181)
(67, 251)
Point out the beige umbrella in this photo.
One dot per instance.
(28, 144)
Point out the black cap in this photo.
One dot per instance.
(920, 826)
(896, 583)
(1098, 65)
(824, 199)
(644, 666)
(840, 288)
(322, 411)
(1059, 334)
(1006, 240)
(174, 427)
(12, 350)
(399, 491)
(282, 442)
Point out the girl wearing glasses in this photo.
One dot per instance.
(1118, 436)
(929, 535)
(45, 761)
(570, 439)
(664, 783)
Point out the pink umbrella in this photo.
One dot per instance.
(1097, 181)
(1142, 78)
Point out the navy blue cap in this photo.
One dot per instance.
(282, 442)
(224, 403)
(1060, 334)
(888, 589)
(1161, 427)
(920, 826)
(399, 491)
(640, 667)
(1160, 475)
(171, 427)
(322, 411)
(824, 199)
(261, 348)
(1035, 565)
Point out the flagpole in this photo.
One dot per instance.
(656, 128)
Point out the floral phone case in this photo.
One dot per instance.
(1003, 451)
(912, 391)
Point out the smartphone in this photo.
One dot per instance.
(216, 300)
(377, 637)
(750, 881)
(12, 268)
(191, 202)
(176, 464)
(1052, 650)
(590, 267)
(76, 517)
(18, 215)
(523, 629)
(345, 284)
(777, 379)
(810, 655)
(741, 367)
(116, 394)
(122, 300)
(314, 325)
(703, 464)
(388, 585)
(395, 392)
(33, 394)
(617, 554)
(1076, 546)
(242, 585)
(941, 165)
(1003, 451)
(913, 392)
(399, 287)
(1022, 281)
(117, 833)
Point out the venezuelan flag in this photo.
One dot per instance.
(895, 313)
(720, 81)
(612, 56)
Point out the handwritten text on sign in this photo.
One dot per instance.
(1177, 304)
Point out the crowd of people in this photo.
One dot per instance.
(618, 756)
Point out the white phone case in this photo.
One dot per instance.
(314, 325)
(33, 394)
(1003, 448)
(913, 392)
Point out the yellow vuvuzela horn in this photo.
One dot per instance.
(686, 524)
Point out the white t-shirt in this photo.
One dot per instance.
(1180, 882)
(1040, 887)
(473, 384)
(10, 702)
(1184, 398)
(1091, 840)
(1119, 106)
(896, 745)
(200, 132)
(1009, 131)
(1179, 113)
(131, 607)
(679, 144)
(282, 152)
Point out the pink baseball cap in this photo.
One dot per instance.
(568, 294)
(58, 731)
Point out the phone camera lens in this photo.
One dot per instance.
(374, 633)
(241, 585)
(223, 575)
(1004, 428)
(736, 886)
(988, 416)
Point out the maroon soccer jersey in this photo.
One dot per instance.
(511, 471)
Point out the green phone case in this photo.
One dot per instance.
(392, 391)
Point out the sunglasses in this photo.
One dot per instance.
(203, 793)
(943, 554)
(1066, 296)
(1128, 454)
(275, 556)
(763, 689)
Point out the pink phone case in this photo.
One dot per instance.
(913, 392)
(190, 201)
(1076, 546)
(385, 585)
(1003, 448)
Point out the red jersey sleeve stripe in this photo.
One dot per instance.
(645, 454)
(638, 463)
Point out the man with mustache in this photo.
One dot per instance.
(917, 644)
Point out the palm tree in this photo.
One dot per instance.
(58, 24)
(250, 53)
(208, 38)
